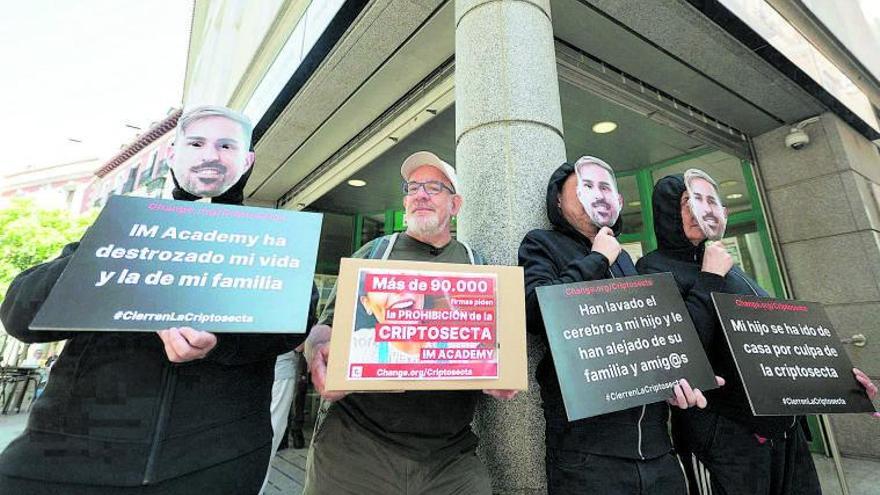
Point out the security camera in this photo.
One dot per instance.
(796, 138)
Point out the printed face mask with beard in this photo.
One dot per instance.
(597, 192)
(210, 156)
(705, 204)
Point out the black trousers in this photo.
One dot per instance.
(573, 470)
(241, 476)
(742, 463)
(296, 419)
(573, 473)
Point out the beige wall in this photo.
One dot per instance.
(824, 201)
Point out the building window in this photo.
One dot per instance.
(130, 180)
(164, 166)
(746, 238)
(118, 182)
(147, 174)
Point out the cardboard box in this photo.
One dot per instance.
(404, 325)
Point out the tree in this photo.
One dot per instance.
(30, 235)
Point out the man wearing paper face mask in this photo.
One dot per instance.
(706, 216)
(184, 411)
(744, 454)
(210, 152)
(623, 452)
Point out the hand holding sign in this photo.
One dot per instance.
(685, 397)
(317, 351)
(868, 385)
(862, 378)
(186, 344)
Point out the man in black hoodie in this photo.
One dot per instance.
(184, 411)
(744, 454)
(625, 452)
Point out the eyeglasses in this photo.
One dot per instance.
(431, 187)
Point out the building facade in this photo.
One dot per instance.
(140, 168)
(62, 186)
(776, 99)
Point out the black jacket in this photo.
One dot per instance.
(559, 256)
(117, 412)
(676, 254)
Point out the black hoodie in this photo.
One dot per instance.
(676, 254)
(116, 412)
(563, 255)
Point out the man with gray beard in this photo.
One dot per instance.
(410, 442)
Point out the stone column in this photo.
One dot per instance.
(825, 203)
(508, 127)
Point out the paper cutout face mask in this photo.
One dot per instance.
(705, 205)
(597, 191)
(210, 152)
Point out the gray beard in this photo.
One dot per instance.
(423, 227)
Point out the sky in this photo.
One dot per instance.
(83, 70)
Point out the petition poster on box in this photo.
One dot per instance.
(429, 326)
(150, 264)
(434, 324)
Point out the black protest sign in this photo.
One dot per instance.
(150, 264)
(789, 357)
(621, 343)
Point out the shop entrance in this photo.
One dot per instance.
(643, 145)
